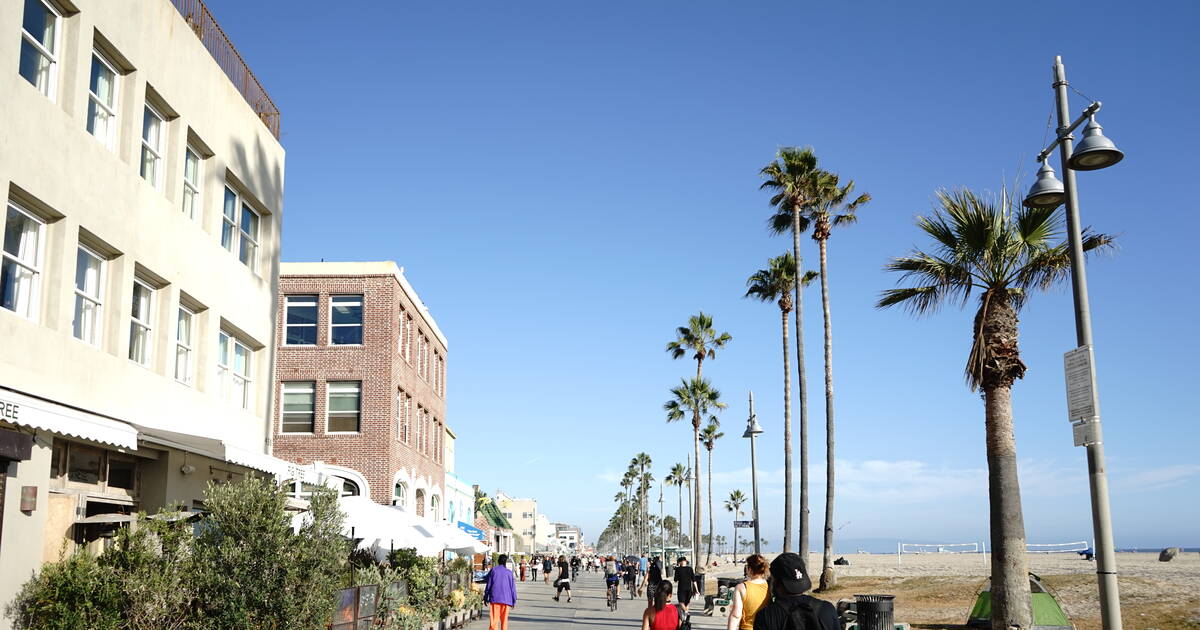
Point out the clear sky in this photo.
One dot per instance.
(565, 182)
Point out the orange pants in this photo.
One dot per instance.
(498, 616)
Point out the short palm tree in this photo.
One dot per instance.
(709, 437)
(696, 399)
(700, 338)
(835, 205)
(1003, 252)
(677, 478)
(790, 178)
(734, 504)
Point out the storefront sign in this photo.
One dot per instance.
(15, 445)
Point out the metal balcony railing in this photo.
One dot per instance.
(202, 23)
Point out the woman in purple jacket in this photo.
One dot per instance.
(500, 593)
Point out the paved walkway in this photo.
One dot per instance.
(536, 610)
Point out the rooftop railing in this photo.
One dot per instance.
(202, 23)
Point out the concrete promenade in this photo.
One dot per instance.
(536, 610)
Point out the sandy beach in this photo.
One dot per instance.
(937, 590)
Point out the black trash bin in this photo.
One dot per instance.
(875, 612)
(727, 584)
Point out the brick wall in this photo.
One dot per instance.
(376, 452)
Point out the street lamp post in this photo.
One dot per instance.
(1094, 152)
(752, 429)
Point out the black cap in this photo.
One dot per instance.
(789, 572)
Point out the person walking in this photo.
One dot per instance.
(749, 596)
(500, 593)
(563, 582)
(790, 607)
(685, 581)
(643, 567)
(534, 564)
(653, 579)
(660, 615)
(547, 567)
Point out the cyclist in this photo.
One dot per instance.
(575, 567)
(612, 580)
(631, 574)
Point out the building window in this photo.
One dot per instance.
(20, 262)
(233, 370)
(435, 507)
(191, 182)
(345, 319)
(39, 46)
(408, 340)
(350, 489)
(184, 332)
(89, 280)
(403, 407)
(239, 230)
(300, 320)
(400, 495)
(152, 134)
(422, 356)
(102, 100)
(343, 407)
(400, 336)
(298, 407)
(140, 318)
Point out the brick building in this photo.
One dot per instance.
(361, 381)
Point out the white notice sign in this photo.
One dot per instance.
(1081, 385)
(1086, 433)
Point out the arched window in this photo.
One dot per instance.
(435, 506)
(420, 497)
(400, 495)
(350, 489)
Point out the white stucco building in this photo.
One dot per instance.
(143, 189)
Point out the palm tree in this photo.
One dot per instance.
(676, 478)
(734, 504)
(627, 483)
(699, 337)
(1004, 252)
(639, 463)
(834, 206)
(709, 437)
(698, 399)
(790, 178)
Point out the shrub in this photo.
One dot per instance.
(75, 592)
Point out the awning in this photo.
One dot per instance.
(381, 528)
(219, 449)
(472, 531)
(457, 540)
(37, 413)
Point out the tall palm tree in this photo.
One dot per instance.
(644, 506)
(627, 484)
(699, 337)
(639, 463)
(709, 437)
(790, 179)
(835, 205)
(734, 504)
(698, 399)
(1004, 252)
(676, 478)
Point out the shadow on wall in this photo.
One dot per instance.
(265, 175)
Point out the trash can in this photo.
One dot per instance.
(875, 612)
(725, 586)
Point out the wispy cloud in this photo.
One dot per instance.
(1159, 478)
(609, 475)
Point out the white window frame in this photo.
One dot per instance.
(34, 267)
(362, 312)
(155, 151)
(342, 387)
(116, 104)
(226, 376)
(51, 88)
(316, 326)
(192, 186)
(422, 357)
(146, 323)
(97, 301)
(185, 347)
(297, 387)
(402, 503)
(408, 341)
(401, 416)
(237, 230)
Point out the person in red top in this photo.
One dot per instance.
(661, 615)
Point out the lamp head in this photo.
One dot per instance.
(752, 428)
(1047, 191)
(1095, 151)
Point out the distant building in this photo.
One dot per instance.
(569, 536)
(460, 495)
(142, 211)
(361, 377)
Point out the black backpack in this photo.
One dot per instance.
(802, 615)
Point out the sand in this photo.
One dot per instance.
(937, 589)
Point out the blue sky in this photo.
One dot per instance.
(565, 182)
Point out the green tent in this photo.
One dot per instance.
(1047, 614)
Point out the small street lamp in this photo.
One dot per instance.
(1094, 152)
(753, 429)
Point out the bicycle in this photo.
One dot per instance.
(612, 596)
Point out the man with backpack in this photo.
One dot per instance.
(790, 608)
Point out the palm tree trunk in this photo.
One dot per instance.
(787, 434)
(696, 511)
(802, 391)
(679, 525)
(1010, 572)
(708, 559)
(828, 577)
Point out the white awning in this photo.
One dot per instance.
(36, 413)
(382, 528)
(218, 449)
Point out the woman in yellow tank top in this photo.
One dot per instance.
(749, 596)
